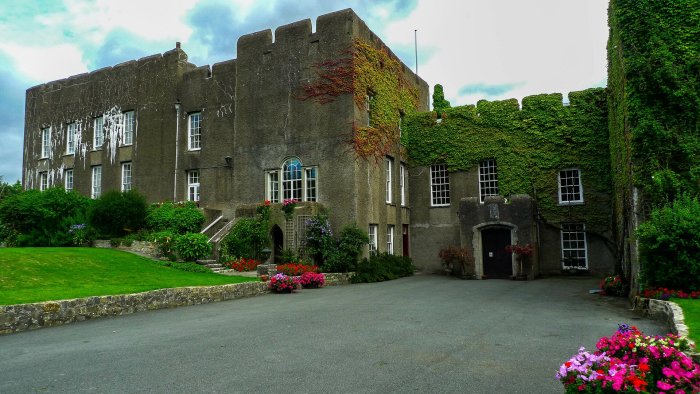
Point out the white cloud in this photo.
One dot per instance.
(46, 63)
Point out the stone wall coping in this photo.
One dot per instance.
(667, 311)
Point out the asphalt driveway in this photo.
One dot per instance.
(426, 334)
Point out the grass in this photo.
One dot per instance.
(43, 274)
(691, 312)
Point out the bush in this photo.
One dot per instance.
(381, 267)
(669, 246)
(613, 286)
(247, 239)
(179, 218)
(34, 218)
(457, 260)
(186, 266)
(192, 246)
(115, 214)
(333, 254)
(165, 241)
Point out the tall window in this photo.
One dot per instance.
(68, 180)
(194, 131)
(488, 179)
(310, 183)
(390, 239)
(129, 126)
(98, 136)
(439, 185)
(573, 245)
(96, 181)
(45, 142)
(70, 138)
(43, 181)
(369, 98)
(193, 185)
(570, 190)
(273, 186)
(402, 183)
(291, 179)
(389, 166)
(126, 176)
(372, 238)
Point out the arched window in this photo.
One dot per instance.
(292, 181)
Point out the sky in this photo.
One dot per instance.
(477, 49)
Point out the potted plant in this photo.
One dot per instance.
(281, 283)
(288, 207)
(522, 252)
(312, 280)
(455, 260)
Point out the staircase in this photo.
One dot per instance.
(212, 265)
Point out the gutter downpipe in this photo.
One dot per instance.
(177, 145)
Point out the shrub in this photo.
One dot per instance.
(669, 246)
(186, 266)
(34, 218)
(319, 237)
(247, 238)
(115, 214)
(179, 218)
(381, 267)
(344, 251)
(312, 280)
(165, 241)
(192, 246)
(457, 260)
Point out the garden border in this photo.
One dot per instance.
(24, 317)
(667, 311)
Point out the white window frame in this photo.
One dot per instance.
(71, 134)
(129, 127)
(68, 179)
(439, 186)
(368, 107)
(372, 233)
(45, 142)
(96, 188)
(194, 131)
(272, 183)
(43, 181)
(402, 183)
(390, 230)
(310, 184)
(98, 134)
(488, 179)
(573, 242)
(126, 176)
(193, 185)
(389, 162)
(570, 186)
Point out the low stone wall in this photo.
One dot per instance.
(666, 311)
(22, 317)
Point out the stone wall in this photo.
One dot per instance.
(668, 312)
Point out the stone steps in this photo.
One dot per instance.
(212, 265)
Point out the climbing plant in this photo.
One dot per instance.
(530, 146)
(439, 102)
(368, 72)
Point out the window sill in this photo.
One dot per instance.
(568, 204)
(194, 150)
(440, 206)
(125, 145)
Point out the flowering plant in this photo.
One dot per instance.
(631, 362)
(78, 231)
(663, 293)
(264, 210)
(613, 285)
(520, 250)
(242, 264)
(312, 280)
(281, 283)
(288, 207)
(292, 269)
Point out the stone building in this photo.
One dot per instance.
(301, 115)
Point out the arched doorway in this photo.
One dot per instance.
(277, 243)
(497, 262)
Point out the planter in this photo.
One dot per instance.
(264, 277)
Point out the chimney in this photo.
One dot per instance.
(177, 45)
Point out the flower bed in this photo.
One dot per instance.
(662, 293)
(312, 280)
(293, 269)
(281, 283)
(630, 362)
(242, 264)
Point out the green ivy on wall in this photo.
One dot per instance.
(367, 71)
(530, 147)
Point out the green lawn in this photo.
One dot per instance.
(691, 312)
(42, 274)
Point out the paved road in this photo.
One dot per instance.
(425, 334)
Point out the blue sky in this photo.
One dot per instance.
(476, 49)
